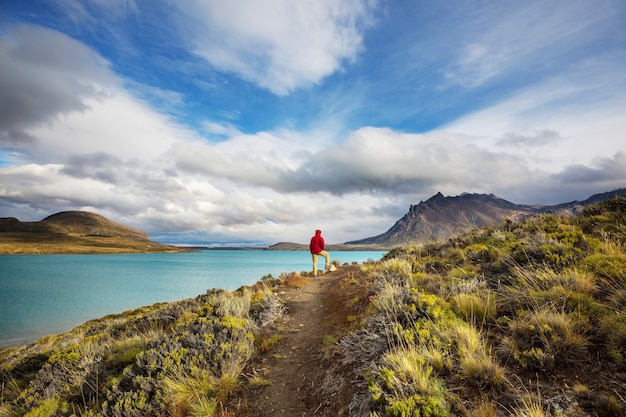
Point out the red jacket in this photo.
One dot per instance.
(317, 242)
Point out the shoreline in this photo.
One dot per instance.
(219, 280)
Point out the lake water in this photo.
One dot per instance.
(51, 294)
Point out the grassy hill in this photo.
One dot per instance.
(74, 232)
(520, 319)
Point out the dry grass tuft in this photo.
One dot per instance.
(486, 408)
(613, 328)
(476, 308)
(183, 391)
(531, 407)
(293, 280)
(234, 303)
(475, 359)
(611, 406)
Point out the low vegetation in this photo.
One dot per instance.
(521, 319)
(525, 319)
(31, 243)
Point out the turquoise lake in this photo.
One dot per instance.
(51, 294)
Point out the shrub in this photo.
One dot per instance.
(479, 253)
(124, 354)
(531, 407)
(476, 308)
(613, 330)
(433, 265)
(204, 407)
(484, 409)
(185, 391)
(268, 341)
(611, 406)
(618, 298)
(542, 338)
(571, 290)
(475, 360)
(407, 387)
(419, 405)
(481, 368)
(48, 407)
(610, 267)
(395, 269)
(293, 280)
(406, 372)
(236, 304)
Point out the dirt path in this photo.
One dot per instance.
(296, 367)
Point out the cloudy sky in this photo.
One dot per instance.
(259, 121)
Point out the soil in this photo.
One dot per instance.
(296, 367)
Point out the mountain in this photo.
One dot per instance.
(75, 232)
(72, 223)
(440, 217)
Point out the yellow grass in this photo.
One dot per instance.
(32, 243)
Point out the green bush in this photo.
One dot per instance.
(481, 253)
(476, 308)
(419, 406)
(610, 267)
(541, 338)
(613, 329)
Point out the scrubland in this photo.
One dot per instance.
(520, 319)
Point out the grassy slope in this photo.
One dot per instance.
(524, 319)
(74, 232)
(31, 243)
(519, 320)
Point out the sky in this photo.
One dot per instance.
(251, 122)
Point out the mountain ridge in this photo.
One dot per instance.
(435, 219)
(440, 217)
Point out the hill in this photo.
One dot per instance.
(74, 232)
(440, 217)
(519, 319)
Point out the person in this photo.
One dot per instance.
(317, 247)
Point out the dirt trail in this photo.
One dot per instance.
(295, 368)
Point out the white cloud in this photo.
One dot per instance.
(578, 107)
(221, 129)
(541, 138)
(371, 160)
(519, 38)
(280, 45)
(58, 98)
(118, 125)
(86, 11)
(46, 74)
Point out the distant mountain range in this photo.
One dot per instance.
(440, 217)
(437, 218)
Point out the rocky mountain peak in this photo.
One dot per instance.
(440, 217)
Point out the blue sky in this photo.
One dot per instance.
(260, 121)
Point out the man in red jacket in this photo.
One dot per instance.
(317, 248)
